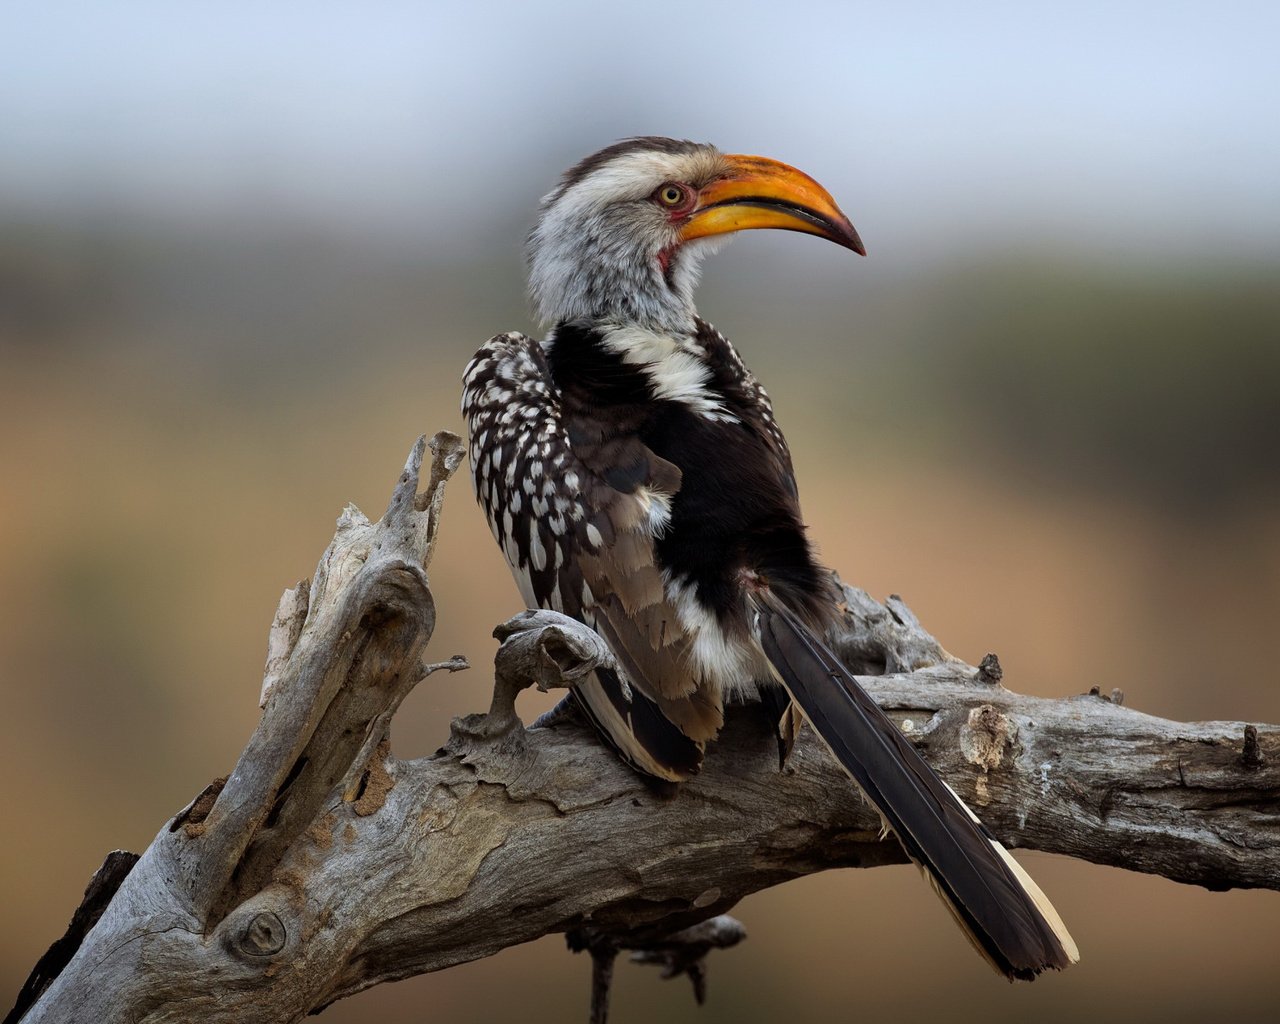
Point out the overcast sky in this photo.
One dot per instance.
(1150, 127)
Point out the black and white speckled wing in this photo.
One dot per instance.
(730, 376)
(574, 509)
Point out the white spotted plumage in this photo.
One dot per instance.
(539, 519)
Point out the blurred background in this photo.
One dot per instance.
(246, 250)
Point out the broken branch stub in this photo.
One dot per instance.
(343, 651)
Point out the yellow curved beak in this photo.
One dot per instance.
(763, 193)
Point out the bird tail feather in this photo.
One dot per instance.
(1003, 912)
(636, 727)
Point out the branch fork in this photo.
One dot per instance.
(323, 865)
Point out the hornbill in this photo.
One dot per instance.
(634, 476)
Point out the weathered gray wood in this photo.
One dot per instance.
(324, 865)
(97, 897)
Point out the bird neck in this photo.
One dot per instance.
(616, 363)
(609, 296)
(580, 280)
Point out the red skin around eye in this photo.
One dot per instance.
(685, 206)
(675, 214)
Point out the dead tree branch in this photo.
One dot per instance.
(324, 865)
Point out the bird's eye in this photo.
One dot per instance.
(672, 195)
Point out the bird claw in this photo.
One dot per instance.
(543, 649)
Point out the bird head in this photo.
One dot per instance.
(622, 236)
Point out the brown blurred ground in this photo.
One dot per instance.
(1071, 465)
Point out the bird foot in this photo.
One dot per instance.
(538, 648)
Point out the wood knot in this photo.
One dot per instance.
(989, 670)
(1251, 756)
(984, 736)
(1116, 696)
(264, 935)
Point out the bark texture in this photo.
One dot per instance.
(324, 865)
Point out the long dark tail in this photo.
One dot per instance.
(1004, 913)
